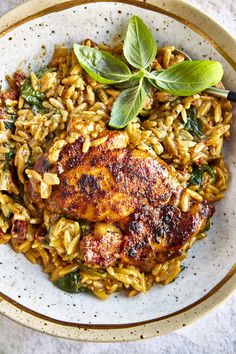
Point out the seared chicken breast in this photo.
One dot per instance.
(108, 182)
(122, 187)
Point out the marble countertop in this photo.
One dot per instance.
(213, 334)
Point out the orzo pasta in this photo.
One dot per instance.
(44, 113)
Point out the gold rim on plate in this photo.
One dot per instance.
(226, 46)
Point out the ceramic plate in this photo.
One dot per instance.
(28, 35)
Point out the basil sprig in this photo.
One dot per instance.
(140, 49)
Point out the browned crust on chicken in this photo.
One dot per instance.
(162, 231)
(108, 183)
(101, 250)
(150, 235)
(19, 230)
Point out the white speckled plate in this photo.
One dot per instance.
(27, 37)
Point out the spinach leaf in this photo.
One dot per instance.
(208, 225)
(101, 66)
(85, 227)
(9, 118)
(193, 125)
(197, 174)
(70, 283)
(6, 218)
(9, 157)
(127, 106)
(32, 97)
(140, 47)
(46, 239)
(42, 72)
(188, 77)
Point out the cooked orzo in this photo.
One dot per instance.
(74, 192)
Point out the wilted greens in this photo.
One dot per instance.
(71, 283)
(197, 174)
(32, 97)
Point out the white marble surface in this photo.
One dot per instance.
(215, 333)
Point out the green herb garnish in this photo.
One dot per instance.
(85, 227)
(140, 48)
(46, 239)
(9, 117)
(197, 174)
(71, 283)
(207, 226)
(193, 125)
(9, 157)
(7, 217)
(32, 97)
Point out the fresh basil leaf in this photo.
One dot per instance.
(127, 106)
(147, 87)
(197, 174)
(193, 125)
(128, 84)
(188, 78)
(140, 47)
(101, 66)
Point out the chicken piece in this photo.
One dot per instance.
(108, 182)
(159, 233)
(19, 230)
(103, 247)
(101, 250)
(151, 235)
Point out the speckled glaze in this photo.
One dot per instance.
(26, 295)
